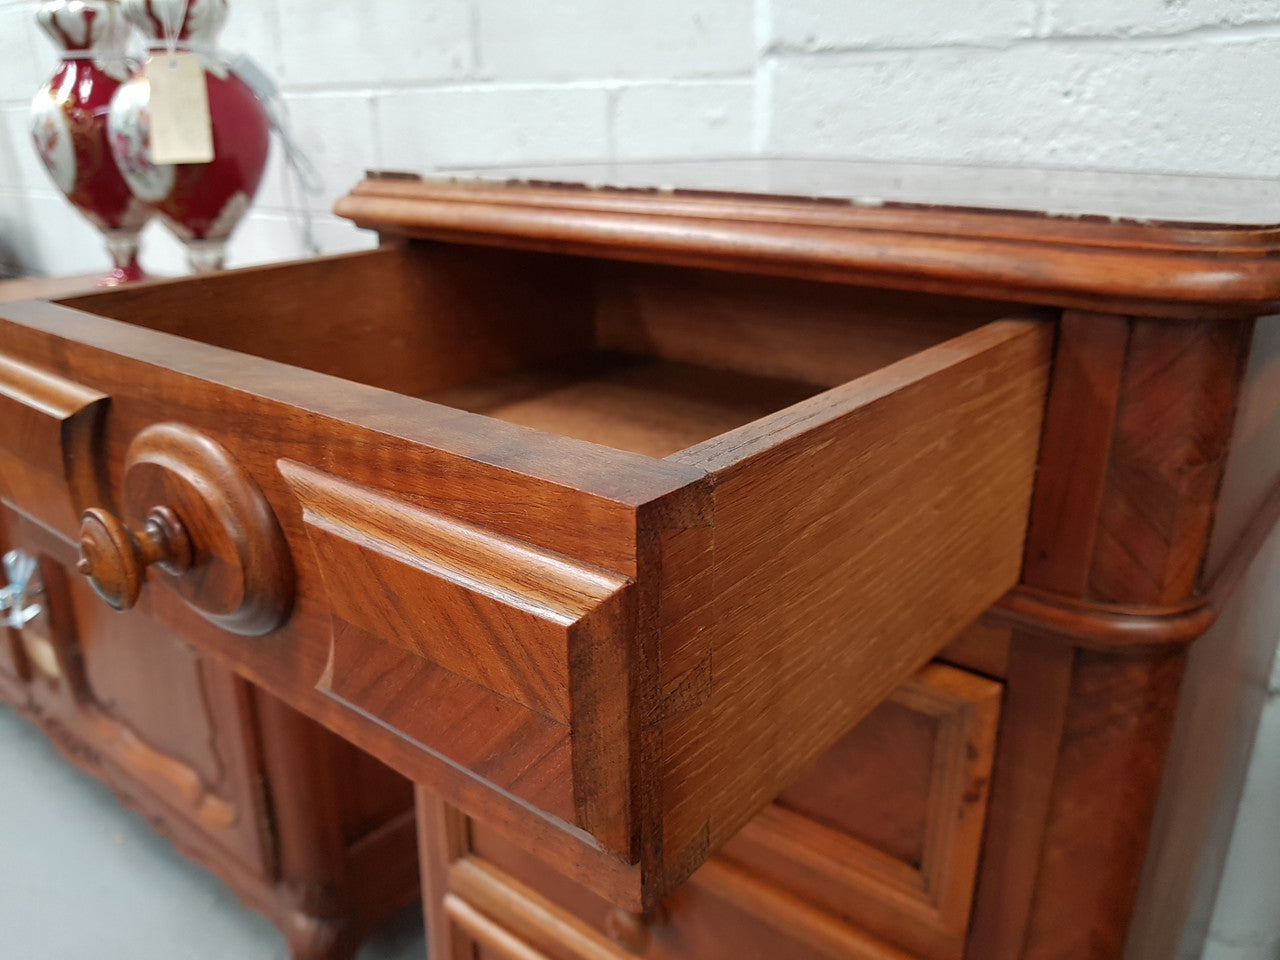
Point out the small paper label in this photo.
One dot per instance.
(180, 128)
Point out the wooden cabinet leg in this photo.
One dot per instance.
(442, 838)
(318, 938)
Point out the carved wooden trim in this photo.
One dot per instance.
(443, 837)
(47, 420)
(240, 576)
(1067, 262)
(1103, 626)
(490, 908)
(489, 608)
(495, 938)
(922, 907)
(537, 628)
(1087, 721)
(53, 425)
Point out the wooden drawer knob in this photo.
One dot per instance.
(115, 558)
(191, 511)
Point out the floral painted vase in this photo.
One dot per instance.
(69, 123)
(200, 202)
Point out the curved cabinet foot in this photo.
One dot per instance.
(318, 938)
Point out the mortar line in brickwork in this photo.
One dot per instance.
(1040, 18)
(477, 60)
(762, 85)
(611, 97)
(1193, 36)
(471, 85)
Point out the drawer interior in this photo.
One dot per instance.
(645, 358)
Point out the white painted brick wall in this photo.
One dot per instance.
(473, 124)
(812, 25)
(1165, 85)
(333, 44)
(1180, 105)
(1157, 85)
(1130, 18)
(684, 118)
(581, 39)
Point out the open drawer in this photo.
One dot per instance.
(608, 550)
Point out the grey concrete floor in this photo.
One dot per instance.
(80, 876)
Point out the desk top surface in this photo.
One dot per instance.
(1157, 198)
(1129, 243)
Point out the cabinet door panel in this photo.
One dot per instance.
(871, 854)
(885, 829)
(125, 697)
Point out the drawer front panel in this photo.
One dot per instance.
(724, 914)
(872, 853)
(49, 442)
(492, 729)
(499, 612)
(514, 620)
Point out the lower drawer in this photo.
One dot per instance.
(871, 854)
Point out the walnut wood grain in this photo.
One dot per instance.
(825, 841)
(530, 625)
(50, 433)
(442, 838)
(497, 611)
(776, 328)
(468, 466)
(829, 468)
(905, 875)
(212, 764)
(1087, 730)
(1103, 626)
(722, 913)
(1224, 689)
(202, 522)
(651, 406)
(781, 574)
(1078, 264)
(636, 668)
(429, 317)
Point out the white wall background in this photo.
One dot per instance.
(1157, 85)
(1189, 86)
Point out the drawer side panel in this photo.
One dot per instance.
(855, 534)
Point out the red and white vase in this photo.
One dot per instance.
(69, 123)
(200, 202)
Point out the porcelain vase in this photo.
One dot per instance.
(69, 123)
(200, 202)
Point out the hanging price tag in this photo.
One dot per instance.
(180, 128)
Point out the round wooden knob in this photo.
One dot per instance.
(115, 558)
(188, 508)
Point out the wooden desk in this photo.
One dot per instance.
(605, 516)
(308, 830)
(45, 288)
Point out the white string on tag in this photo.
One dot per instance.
(181, 128)
(300, 172)
(171, 18)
